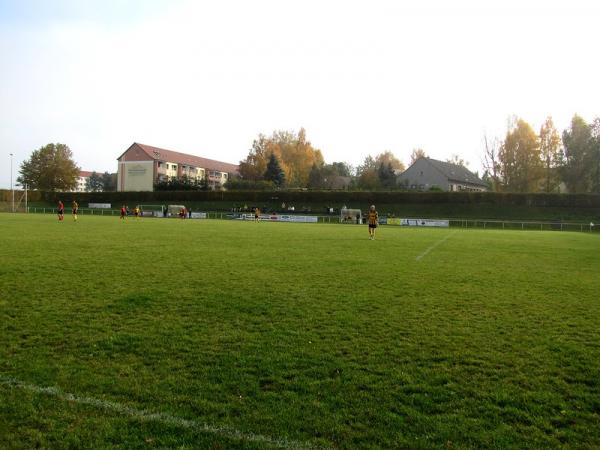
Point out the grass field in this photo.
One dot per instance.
(216, 334)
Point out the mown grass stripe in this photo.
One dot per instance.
(166, 419)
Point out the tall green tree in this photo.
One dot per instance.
(274, 172)
(579, 156)
(387, 175)
(93, 183)
(551, 155)
(341, 169)
(520, 160)
(50, 168)
(109, 182)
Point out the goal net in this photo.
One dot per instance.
(348, 215)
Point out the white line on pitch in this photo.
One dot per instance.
(441, 241)
(166, 419)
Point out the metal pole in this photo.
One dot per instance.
(26, 208)
(11, 183)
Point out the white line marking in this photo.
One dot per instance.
(441, 241)
(166, 419)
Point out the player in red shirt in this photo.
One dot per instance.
(61, 210)
(123, 212)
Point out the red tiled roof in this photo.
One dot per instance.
(84, 173)
(189, 160)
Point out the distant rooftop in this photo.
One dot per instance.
(456, 172)
(161, 154)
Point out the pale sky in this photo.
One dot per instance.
(206, 77)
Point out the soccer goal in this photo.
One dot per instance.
(348, 215)
(153, 210)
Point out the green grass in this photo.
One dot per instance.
(305, 332)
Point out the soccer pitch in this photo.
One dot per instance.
(226, 334)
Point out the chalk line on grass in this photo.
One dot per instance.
(167, 419)
(441, 241)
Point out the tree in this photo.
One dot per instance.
(367, 174)
(491, 164)
(179, 184)
(255, 164)
(274, 171)
(109, 182)
(416, 154)
(596, 156)
(457, 160)
(550, 154)
(50, 168)
(578, 164)
(520, 161)
(387, 175)
(93, 183)
(387, 158)
(315, 178)
(341, 169)
(203, 184)
(295, 154)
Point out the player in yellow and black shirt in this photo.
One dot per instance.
(75, 210)
(372, 219)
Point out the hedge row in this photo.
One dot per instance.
(32, 196)
(327, 198)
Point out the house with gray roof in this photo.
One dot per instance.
(427, 173)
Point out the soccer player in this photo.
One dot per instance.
(61, 211)
(373, 218)
(136, 212)
(257, 214)
(75, 210)
(123, 212)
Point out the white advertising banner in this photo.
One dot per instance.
(199, 215)
(99, 205)
(281, 218)
(424, 223)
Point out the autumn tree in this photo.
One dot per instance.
(520, 160)
(50, 168)
(416, 154)
(254, 166)
(551, 155)
(295, 154)
(577, 169)
(387, 158)
(368, 176)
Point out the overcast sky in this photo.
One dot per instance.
(360, 76)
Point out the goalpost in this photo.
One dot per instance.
(152, 210)
(349, 215)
